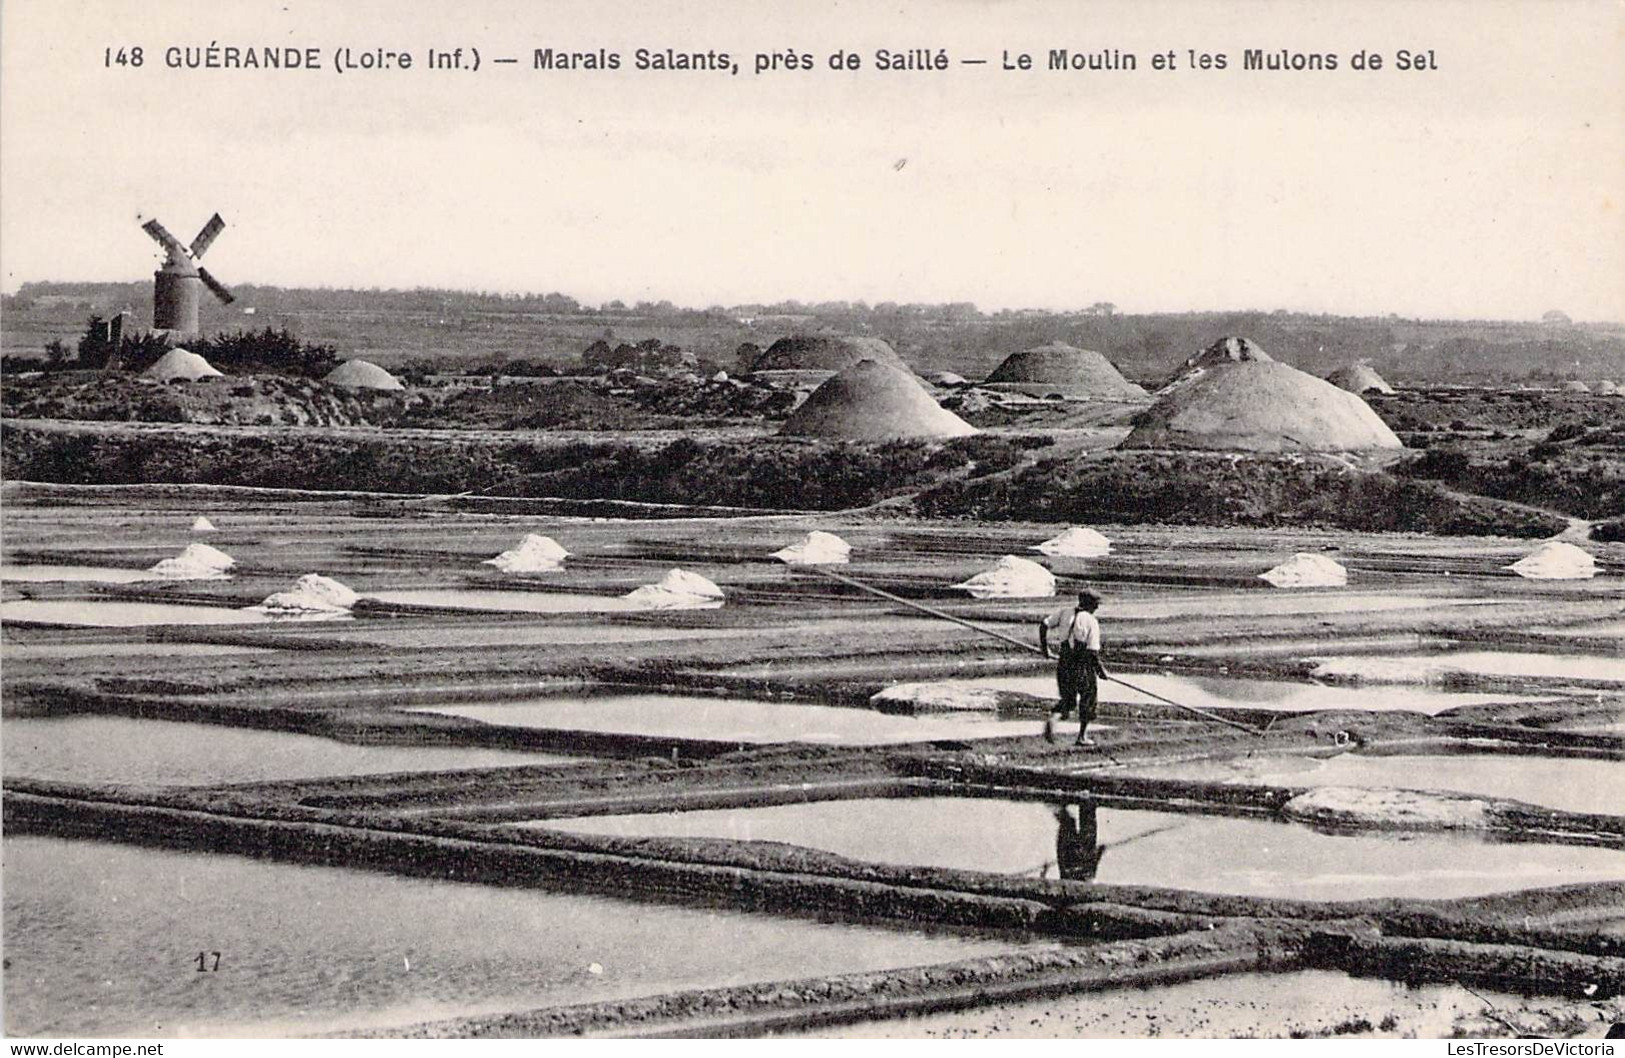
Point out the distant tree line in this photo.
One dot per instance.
(269, 351)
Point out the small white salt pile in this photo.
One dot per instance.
(1556, 560)
(1408, 809)
(1076, 542)
(817, 548)
(943, 697)
(1304, 570)
(535, 554)
(677, 590)
(1012, 578)
(312, 593)
(195, 562)
(200, 524)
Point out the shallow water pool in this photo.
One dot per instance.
(1247, 1006)
(1281, 601)
(91, 574)
(508, 601)
(35, 648)
(1573, 785)
(1218, 854)
(734, 720)
(1425, 668)
(102, 940)
(118, 749)
(1216, 692)
(112, 613)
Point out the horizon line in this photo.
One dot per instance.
(867, 305)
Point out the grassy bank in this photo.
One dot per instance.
(995, 477)
(1215, 488)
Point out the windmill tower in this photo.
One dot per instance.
(176, 286)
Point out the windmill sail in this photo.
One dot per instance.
(206, 236)
(219, 289)
(173, 246)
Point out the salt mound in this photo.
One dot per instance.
(873, 401)
(1574, 385)
(1065, 369)
(1606, 388)
(1556, 560)
(1411, 809)
(1304, 570)
(948, 378)
(1012, 578)
(1222, 352)
(312, 593)
(825, 353)
(201, 524)
(817, 548)
(535, 554)
(195, 562)
(1359, 377)
(1076, 542)
(1260, 406)
(362, 374)
(677, 590)
(180, 364)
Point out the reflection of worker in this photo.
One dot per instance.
(1077, 847)
(1077, 663)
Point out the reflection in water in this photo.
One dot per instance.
(1077, 841)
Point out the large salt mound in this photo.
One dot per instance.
(535, 554)
(817, 548)
(1260, 406)
(1012, 578)
(1359, 377)
(180, 364)
(312, 593)
(1574, 385)
(1304, 570)
(200, 524)
(1556, 560)
(1076, 542)
(1222, 352)
(195, 562)
(872, 401)
(677, 590)
(1064, 369)
(362, 374)
(1606, 387)
(825, 353)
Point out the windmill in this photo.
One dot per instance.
(175, 285)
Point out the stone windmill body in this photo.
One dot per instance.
(178, 284)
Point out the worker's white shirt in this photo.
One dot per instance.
(1084, 630)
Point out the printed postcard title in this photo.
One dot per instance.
(372, 59)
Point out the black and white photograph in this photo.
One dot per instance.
(939, 519)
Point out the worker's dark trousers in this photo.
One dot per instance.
(1075, 677)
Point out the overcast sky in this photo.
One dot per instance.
(1492, 187)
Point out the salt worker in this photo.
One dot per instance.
(1077, 664)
